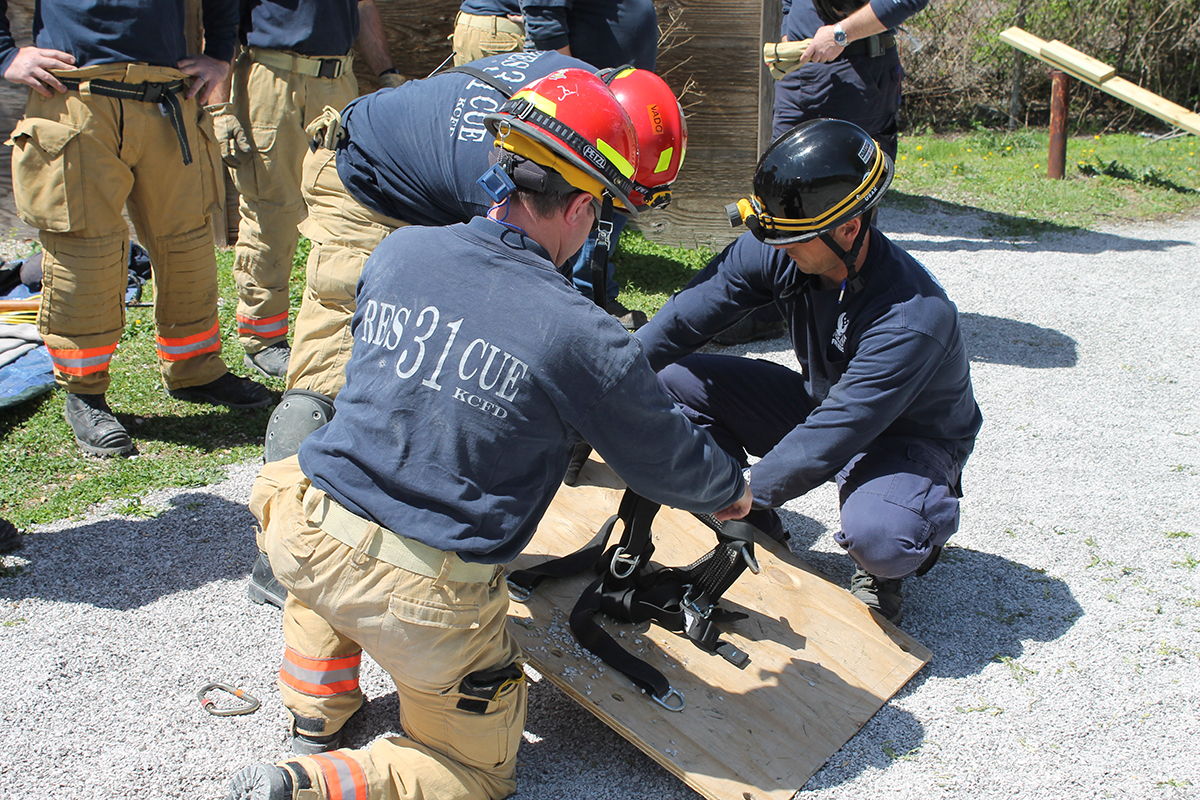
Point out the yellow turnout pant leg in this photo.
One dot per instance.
(343, 233)
(429, 634)
(274, 106)
(78, 159)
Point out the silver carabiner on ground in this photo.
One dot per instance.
(209, 705)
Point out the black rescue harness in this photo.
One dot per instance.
(632, 589)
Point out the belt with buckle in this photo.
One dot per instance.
(164, 94)
(387, 546)
(312, 66)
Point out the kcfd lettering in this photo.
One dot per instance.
(492, 370)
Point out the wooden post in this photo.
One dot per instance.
(1056, 162)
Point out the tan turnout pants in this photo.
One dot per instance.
(476, 37)
(429, 634)
(343, 233)
(274, 105)
(80, 158)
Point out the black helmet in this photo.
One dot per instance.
(818, 175)
(831, 11)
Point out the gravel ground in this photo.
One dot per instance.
(1063, 618)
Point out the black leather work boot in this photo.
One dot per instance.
(880, 594)
(97, 430)
(261, 782)
(271, 361)
(264, 587)
(227, 390)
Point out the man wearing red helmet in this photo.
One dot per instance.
(883, 401)
(467, 387)
(369, 175)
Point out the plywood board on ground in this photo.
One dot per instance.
(821, 663)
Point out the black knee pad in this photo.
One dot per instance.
(298, 414)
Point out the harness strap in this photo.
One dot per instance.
(599, 265)
(491, 80)
(164, 94)
(631, 589)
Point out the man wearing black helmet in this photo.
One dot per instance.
(850, 70)
(883, 399)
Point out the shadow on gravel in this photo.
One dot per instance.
(995, 340)
(975, 608)
(914, 217)
(128, 562)
(971, 609)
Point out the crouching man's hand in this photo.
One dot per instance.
(738, 509)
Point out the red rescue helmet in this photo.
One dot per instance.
(570, 123)
(661, 132)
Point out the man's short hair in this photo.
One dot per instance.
(545, 204)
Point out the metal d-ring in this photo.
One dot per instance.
(518, 592)
(665, 700)
(619, 555)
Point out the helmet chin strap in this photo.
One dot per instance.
(599, 262)
(854, 281)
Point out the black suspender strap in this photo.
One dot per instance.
(164, 94)
(491, 80)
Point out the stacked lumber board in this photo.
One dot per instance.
(1104, 77)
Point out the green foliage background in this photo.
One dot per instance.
(958, 72)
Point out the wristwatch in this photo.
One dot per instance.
(839, 35)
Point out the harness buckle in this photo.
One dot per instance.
(153, 92)
(330, 68)
(665, 700)
(209, 705)
(604, 229)
(518, 592)
(691, 602)
(619, 555)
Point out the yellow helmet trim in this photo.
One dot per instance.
(540, 102)
(664, 160)
(618, 160)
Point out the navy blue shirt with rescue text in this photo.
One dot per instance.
(414, 152)
(470, 383)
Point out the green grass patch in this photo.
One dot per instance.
(45, 475)
(1111, 178)
(650, 273)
